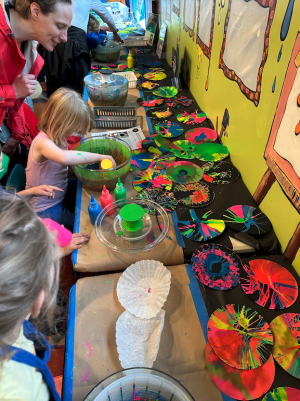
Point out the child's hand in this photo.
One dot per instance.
(103, 157)
(77, 239)
(45, 190)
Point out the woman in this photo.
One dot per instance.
(24, 23)
(71, 62)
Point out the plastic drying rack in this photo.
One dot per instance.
(130, 76)
(116, 117)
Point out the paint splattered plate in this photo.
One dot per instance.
(283, 394)
(200, 228)
(141, 160)
(155, 76)
(286, 351)
(168, 129)
(195, 117)
(247, 219)
(154, 70)
(201, 135)
(240, 384)
(194, 195)
(159, 114)
(150, 101)
(240, 336)
(220, 173)
(156, 141)
(210, 152)
(166, 91)
(215, 265)
(183, 149)
(177, 102)
(144, 51)
(150, 180)
(165, 199)
(162, 162)
(147, 86)
(184, 172)
(152, 64)
(269, 284)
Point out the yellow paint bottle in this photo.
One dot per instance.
(129, 60)
(106, 164)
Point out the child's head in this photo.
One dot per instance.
(93, 24)
(29, 264)
(66, 113)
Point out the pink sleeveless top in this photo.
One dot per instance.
(47, 172)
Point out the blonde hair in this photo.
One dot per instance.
(29, 263)
(93, 24)
(66, 113)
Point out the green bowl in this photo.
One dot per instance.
(95, 179)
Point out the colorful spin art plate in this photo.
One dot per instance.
(162, 162)
(164, 198)
(240, 384)
(168, 129)
(156, 141)
(176, 102)
(217, 266)
(283, 394)
(195, 117)
(220, 173)
(183, 149)
(159, 114)
(184, 172)
(240, 336)
(247, 219)
(144, 51)
(209, 225)
(269, 284)
(166, 91)
(150, 180)
(286, 351)
(147, 86)
(155, 76)
(154, 70)
(150, 101)
(211, 152)
(194, 195)
(152, 64)
(200, 135)
(140, 160)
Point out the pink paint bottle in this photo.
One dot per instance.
(64, 236)
(106, 199)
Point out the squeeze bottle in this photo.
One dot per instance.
(106, 164)
(94, 210)
(106, 199)
(64, 236)
(129, 60)
(120, 191)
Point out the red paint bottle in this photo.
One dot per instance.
(106, 199)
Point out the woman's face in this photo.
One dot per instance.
(52, 29)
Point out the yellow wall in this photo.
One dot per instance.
(250, 126)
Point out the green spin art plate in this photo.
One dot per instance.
(166, 91)
(211, 152)
(184, 172)
(155, 76)
(183, 149)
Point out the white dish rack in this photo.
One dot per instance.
(130, 76)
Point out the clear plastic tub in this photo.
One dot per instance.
(111, 90)
(109, 53)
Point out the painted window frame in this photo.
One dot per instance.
(206, 50)
(188, 29)
(175, 9)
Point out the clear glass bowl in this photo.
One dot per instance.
(112, 92)
(109, 53)
(95, 179)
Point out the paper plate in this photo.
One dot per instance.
(138, 339)
(240, 336)
(147, 86)
(151, 180)
(156, 141)
(182, 149)
(217, 266)
(159, 114)
(200, 135)
(152, 63)
(269, 284)
(194, 195)
(247, 219)
(184, 172)
(165, 199)
(177, 102)
(168, 129)
(151, 70)
(286, 351)
(210, 152)
(162, 162)
(155, 76)
(200, 228)
(283, 394)
(236, 383)
(220, 173)
(144, 51)
(150, 101)
(195, 117)
(143, 288)
(166, 91)
(140, 160)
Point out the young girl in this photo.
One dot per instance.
(29, 274)
(66, 114)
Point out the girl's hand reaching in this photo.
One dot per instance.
(45, 190)
(77, 240)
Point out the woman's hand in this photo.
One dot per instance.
(103, 157)
(45, 190)
(117, 37)
(77, 240)
(24, 85)
(11, 146)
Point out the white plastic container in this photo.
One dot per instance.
(131, 78)
(136, 41)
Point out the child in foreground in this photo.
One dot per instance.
(66, 114)
(29, 274)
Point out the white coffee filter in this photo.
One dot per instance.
(143, 288)
(138, 339)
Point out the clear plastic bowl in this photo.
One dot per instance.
(109, 53)
(113, 92)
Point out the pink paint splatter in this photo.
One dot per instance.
(149, 290)
(87, 343)
(85, 376)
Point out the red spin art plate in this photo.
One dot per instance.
(240, 336)
(269, 284)
(236, 383)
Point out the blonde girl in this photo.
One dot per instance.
(29, 274)
(66, 114)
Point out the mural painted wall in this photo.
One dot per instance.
(238, 53)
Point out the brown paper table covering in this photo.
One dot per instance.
(181, 351)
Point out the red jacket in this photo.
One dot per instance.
(12, 63)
